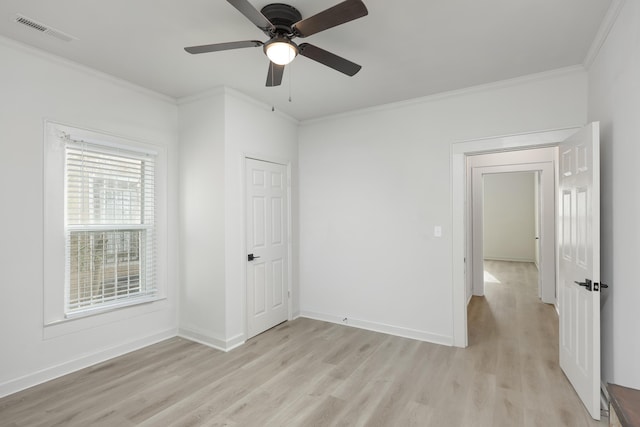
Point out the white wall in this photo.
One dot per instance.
(374, 183)
(217, 130)
(614, 100)
(509, 216)
(36, 87)
(202, 218)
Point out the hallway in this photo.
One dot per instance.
(514, 338)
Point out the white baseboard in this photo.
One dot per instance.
(48, 374)
(380, 327)
(213, 342)
(490, 258)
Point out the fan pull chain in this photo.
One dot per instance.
(273, 107)
(290, 74)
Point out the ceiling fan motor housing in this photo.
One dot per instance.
(282, 16)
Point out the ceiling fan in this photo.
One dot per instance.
(282, 23)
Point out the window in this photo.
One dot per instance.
(105, 229)
(109, 225)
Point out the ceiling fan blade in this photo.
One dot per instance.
(329, 59)
(274, 77)
(339, 14)
(253, 15)
(223, 46)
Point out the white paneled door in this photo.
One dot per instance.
(267, 245)
(579, 263)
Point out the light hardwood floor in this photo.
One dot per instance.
(311, 373)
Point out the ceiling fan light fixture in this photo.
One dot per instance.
(281, 51)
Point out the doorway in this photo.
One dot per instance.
(268, 226)
(510, 229)
(510, 217)
(460, 217)
(484, 166)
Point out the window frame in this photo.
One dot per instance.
(55, 252)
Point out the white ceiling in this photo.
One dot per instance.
(407, 48)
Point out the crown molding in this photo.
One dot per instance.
(13, 44)
(227, 91)
(545, 75)
(603, 32)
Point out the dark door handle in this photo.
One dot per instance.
(251, 257)
(587, 284)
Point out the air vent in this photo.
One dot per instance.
(45, 29)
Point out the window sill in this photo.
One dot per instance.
(110, 307)
(99, 317)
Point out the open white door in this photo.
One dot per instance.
(579, 263)
(267, 240)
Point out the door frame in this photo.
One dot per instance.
(460, 217)
(243, 246)
(541, 160)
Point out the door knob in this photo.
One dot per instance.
(251, 257)
(587, 284)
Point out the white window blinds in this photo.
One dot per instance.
(109, 226)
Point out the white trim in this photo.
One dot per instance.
(488, 258)
(211, 93)
(262, 105)
(213, 342)
(48, 374)
(86, 70)
(53, 127)
(459, 151)
(516, 81)
(225, 90)
(105, 307)
(603, 32)
(380, 327)
(235, 342)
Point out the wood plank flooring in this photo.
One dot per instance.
(311, 373)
